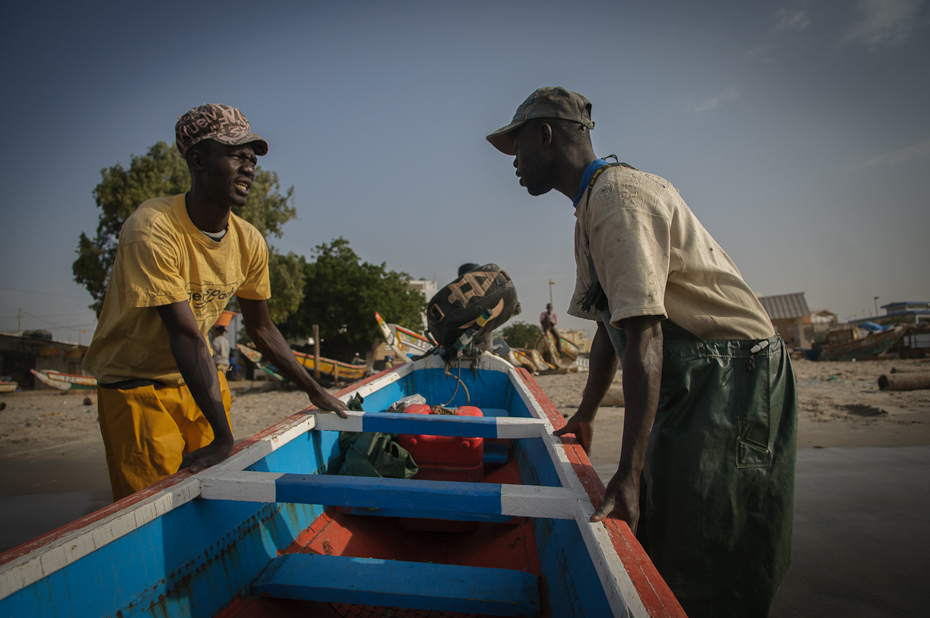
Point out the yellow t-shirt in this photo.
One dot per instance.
(163, 258)
(653, 257)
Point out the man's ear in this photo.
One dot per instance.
(545, 134)
(196, 159)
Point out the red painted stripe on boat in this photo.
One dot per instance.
(652, 589)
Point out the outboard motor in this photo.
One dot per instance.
(466, 311)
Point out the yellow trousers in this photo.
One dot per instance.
(148, 430)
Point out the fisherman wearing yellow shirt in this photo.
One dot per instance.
(163, 406)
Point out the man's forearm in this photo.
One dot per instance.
(199, 372)
(642, 378)
(272, 345)
(602, 367)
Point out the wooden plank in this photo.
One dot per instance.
(446, 515)
(395, 583)
(415, 496)
(434, 425)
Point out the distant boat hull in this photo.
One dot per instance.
(334, 370)
(874, 344)
(64, 381)
(545, 345)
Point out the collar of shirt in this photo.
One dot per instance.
(586, 178)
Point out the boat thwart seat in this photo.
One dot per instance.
(397, 583)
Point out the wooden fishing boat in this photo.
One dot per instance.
(519, 358)
(872, 345)
(8, 387)
(270, 531)
(334, 370)
(403, 341)
(545, 345)
(64, 381)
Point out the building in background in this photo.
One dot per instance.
(791, 317)
(578, 337)
(822, 321)
(427, 288)
(901, 312)
(20, 352)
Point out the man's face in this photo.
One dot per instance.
(230, 172)
(533, 167)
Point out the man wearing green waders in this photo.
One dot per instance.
(706, 473)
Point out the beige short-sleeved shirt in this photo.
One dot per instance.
(163, 258)
(653, 257)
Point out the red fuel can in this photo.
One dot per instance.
(445, 458)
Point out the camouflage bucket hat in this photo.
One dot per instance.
(221, 123)
(544, 103)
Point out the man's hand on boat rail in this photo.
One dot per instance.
(582, 429)
(325, 401)
(207, 456)
(621, 498)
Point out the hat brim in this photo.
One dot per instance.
(260, 145)
(260, 148)
(502, 138)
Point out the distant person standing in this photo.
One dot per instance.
(220, 349)
(162, 404)
(548, 320)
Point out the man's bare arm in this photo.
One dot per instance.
(199, 372)
(602, 367)
(642, 378)
(271, 344)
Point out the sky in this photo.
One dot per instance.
(797, 132)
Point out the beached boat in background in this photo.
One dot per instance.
(334, 370)
(875, 343)
(403, 341)
(8, 387)
(64, 381)
(545, 345)
(271, 530)
(256, 358)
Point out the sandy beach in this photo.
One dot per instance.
(52, 467)
(840, 405)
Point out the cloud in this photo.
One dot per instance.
(883, 22)
(791, 20)
(917, 151)
(761, 53)
(716, 101)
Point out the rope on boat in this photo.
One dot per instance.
(459, 379)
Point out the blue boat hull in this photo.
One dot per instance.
(217, 543)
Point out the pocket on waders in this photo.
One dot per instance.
(754, 438)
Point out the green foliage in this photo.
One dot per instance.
(341, 295)
(159, 173)
(162, 172)
(521, 334)
(287, 276)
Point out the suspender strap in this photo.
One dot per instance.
(595, 296)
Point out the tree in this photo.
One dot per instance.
(521, 334)
(341, 295)
(160, 172)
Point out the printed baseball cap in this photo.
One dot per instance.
(221, 123)
(544, 103)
